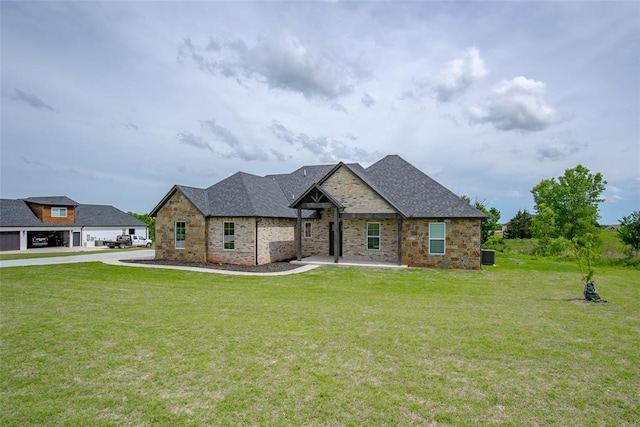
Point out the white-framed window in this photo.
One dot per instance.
(181, 234)
(307, 230)
(58, 212)
(437, 233)
(229, 236)
(373, 236)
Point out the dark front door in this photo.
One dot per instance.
(331, 239)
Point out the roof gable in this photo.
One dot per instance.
(361, 173)
(196, 196)
(316, 197)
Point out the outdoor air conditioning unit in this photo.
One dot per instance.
(488, 257)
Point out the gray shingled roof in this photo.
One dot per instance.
(295, 183)
(16, 213)
(52, 201)
(415, 193)
(405, 187)
(104, 215)
(197, 196)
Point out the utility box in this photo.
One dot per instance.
(488, 257)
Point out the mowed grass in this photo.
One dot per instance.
(91, 344)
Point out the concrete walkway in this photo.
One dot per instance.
(118, 256)
(78, 256)
(319, 260)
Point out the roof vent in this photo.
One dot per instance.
(304, 171)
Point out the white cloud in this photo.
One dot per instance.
(457, 75)
(324, 149)
(516, 104)
(281, 63)
(230, 147)
(613, 194)
(558, 149)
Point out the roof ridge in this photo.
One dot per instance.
(245, 176)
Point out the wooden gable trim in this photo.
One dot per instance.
(316, 197)
(168, 196)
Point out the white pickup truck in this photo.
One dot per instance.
(128, 240)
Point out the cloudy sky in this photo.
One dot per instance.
(113, 103)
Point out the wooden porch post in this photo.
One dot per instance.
(299, 235)
(336, 235)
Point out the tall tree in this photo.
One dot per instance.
(573, 198)
(489, 225)
(629, 231)
(519, 227)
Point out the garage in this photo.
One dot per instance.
(47, 239)
(9, 241)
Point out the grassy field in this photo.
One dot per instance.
(91, 344)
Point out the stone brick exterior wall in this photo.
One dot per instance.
(462, 244)
(354, 194)
(244, 252)
(276, 240)
(178, 208)
(355, 240)
(318, 243)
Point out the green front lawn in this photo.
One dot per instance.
(91, 344)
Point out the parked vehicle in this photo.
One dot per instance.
(128, 241)
(40, 241)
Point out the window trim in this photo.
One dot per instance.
(59, 211)
(440, 239)
(184, 235)
(308, 226)
(378, 236)
(224, 236)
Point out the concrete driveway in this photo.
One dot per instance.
(107, 257)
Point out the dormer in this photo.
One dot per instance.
(54, 209)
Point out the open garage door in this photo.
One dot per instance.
(47, 239)
(10, 241)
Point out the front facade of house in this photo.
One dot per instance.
(56, 221)
(390, 212)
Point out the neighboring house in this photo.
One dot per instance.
(388, 212)
(59, 221)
